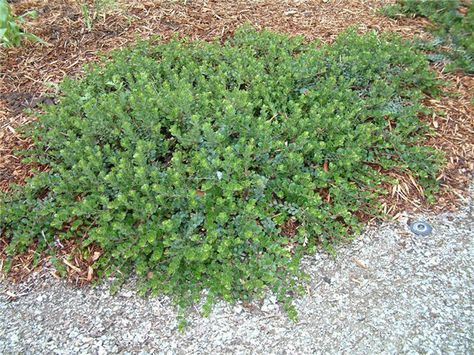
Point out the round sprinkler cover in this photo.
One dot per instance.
(421, 228)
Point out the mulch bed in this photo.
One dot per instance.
(29, 74)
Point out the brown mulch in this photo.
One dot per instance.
(69, 260)
(28, 74)
(453, 133)
(12, 170)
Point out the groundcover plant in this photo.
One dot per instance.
(452, 27)
(215, 167)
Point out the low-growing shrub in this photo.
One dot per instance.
(452, 26)
(203, 166)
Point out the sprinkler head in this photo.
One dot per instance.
(421, 228)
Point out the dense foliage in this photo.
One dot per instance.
(453, 26)
(11, 34)
(187, 161)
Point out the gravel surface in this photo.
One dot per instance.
(389, 291)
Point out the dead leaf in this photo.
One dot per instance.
(96, 255)
(360, 263)
(90, 273)
(74, 267)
